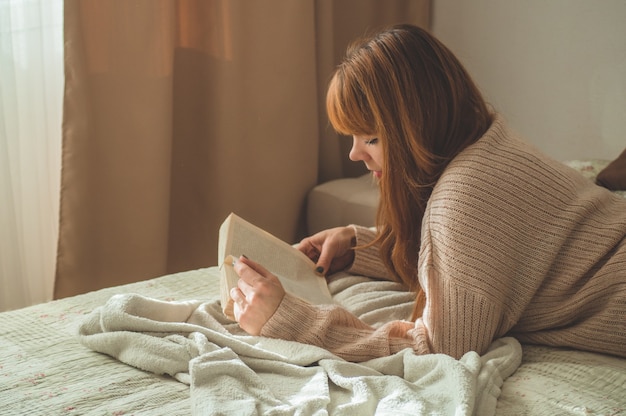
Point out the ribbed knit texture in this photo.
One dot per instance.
(513, 243)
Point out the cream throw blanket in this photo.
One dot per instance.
(233, 373)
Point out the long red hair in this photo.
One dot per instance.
(405, 87)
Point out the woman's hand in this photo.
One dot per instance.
(256, 297)
(331, 250)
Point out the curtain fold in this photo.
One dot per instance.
(179, 112)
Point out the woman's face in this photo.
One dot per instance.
(369, 150)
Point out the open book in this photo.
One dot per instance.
(293, 268)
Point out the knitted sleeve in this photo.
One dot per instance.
(337, 330)
(463, 310)
(504, 226)
(491, 233)
(367, 261)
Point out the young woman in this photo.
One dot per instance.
(494, 237)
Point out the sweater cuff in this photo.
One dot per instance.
(292, 315)
(420, 334)
(367, 261)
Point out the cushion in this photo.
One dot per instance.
(341, 202)
(613, 176)
(590, 169)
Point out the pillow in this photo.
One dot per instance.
(613, 176)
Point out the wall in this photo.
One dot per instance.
(555, 69)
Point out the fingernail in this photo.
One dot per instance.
(319, 270)
(244, 256)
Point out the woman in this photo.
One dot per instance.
(494, 237)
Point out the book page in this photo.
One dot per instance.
(294, 269)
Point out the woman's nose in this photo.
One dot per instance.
(353, 155)
(356, 153)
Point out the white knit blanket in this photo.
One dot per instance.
(230, 372)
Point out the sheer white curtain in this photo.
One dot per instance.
(31, 97)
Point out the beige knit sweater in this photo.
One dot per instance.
(513, 243)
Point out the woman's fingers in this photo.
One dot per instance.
(249, 269)
(333, 249)
(256, 297)
(327, 255)
(323, 247)
(309, 249)
(238, 302)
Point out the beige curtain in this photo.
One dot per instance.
(178, 112)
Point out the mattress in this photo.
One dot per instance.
(46, 369)
(139, 355)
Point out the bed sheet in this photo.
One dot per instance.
(46, 370)
(554, 382)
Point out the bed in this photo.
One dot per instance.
(162, 347)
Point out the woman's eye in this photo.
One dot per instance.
(373, 140)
